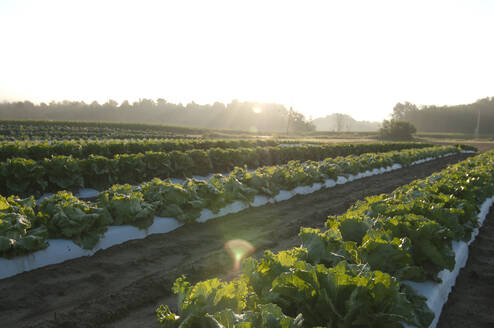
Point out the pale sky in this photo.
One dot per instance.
(321, 57)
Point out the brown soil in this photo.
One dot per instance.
(471, 301)
(122, 286)
(481, 146)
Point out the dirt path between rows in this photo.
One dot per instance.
(122, 286)
(471, 301)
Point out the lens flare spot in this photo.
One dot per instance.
(238, 249)
(257, 110)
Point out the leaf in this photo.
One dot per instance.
(6, 243)
(3, 203)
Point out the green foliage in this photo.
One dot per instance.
(284, 291)
(126, 206)
(214, 303)
(63, 130)
(345, 276)
(408, 233)
(99, 172)
(173, 200)
(397, 130)
(65, 172)
(68, 217)
(65, 216)
(27, 177)
(18, 231)
(21, 176)
(349, 275)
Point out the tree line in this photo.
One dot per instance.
(249, 116)
(459, 118)
(339, 122)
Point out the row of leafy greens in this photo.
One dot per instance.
(65, 130)
(351, 274)
(25, 177)
(64, 216)
(38, 150)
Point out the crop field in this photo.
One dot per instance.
(124, 226)
(12, 130)
(61, 130)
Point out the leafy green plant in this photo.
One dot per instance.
(18, 235)
(126, 206)
(349, 275)
(137, 205)
(26, 177)
(68, 217)
(172, 200)
(83, 148)
(21, 176)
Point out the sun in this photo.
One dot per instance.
(257, 110)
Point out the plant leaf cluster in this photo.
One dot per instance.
(350, 274)
(25, 176)
(66, 216)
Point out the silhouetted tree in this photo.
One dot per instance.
(459, 118)
(340, 122)
(397, 130)
(400, 110)
(348, 123)
(297, 123)
(235, 115)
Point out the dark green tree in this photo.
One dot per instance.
(400, 111)
(397, 130)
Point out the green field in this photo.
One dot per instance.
(351, 273)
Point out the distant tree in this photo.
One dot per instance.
(397, 130)
(111, 104)
(235, 115)
(298, 123)
(400, 111)
(124, 105)
(452, 118)
(94, 104)
(161, 102)
(345, 122)
(340, 121)
(289, 120)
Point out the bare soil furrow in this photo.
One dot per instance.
(471, 302)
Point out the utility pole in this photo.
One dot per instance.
(476, 133)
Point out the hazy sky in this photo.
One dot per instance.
(321, 57)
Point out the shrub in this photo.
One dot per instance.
(394, 129)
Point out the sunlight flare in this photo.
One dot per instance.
(238, 249)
